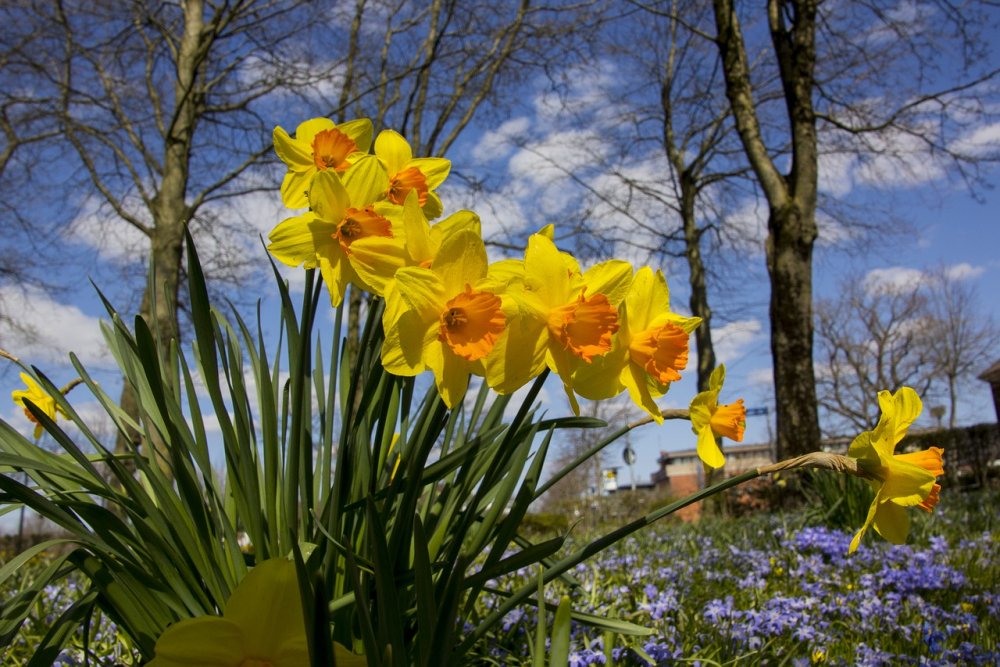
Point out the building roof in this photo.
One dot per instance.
(991, 374)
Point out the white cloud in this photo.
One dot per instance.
(47, 330)
(835, 171)
(731, 340)
(899, 279)
(964, 271)
(497, 143)
(980, 142)
(98, 227)
(760, 377)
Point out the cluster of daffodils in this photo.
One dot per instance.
(447, 308)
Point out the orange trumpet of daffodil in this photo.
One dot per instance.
(441, 318)
(318, 145)
(709, 419)
(901, 480)
(409, 174)
(650, 348)
(345, 236)
(560, 317)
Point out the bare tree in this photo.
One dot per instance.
(871, 337)
(867, 73)
(960, 337)
(161, 113)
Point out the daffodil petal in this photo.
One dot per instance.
(376, 260)
(460, 261)
(433, 208)
(907, 406)
(611, 278)
(294, 188)
(365, 181)
(456, 222)
(328, 197)
(418, 233)
(708, 449)
(300, 239)
(393, 150)
(295, 153)
(519, 354)
(892, 522)
(906, 484)
(422, 291)
(451, 372)
(545, 272)
(295, 653)
(434, 169)
(360, 130)
(267, 605)
(634, 379)
(856, 540)
(206, 641)
(307, 130)
(648, 296)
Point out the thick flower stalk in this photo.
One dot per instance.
(900, 480)
(319, 145)
(560, 317)
(648, 352)
(347, 236)
(709, 419)
(442, 318)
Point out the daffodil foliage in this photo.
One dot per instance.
(358, 512)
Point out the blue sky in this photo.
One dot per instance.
(948, 228)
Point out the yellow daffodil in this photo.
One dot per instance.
(904, 480)
(650, 348)
(262, 625)
(39, 397)
(709, 419)
(424, 239)
(348, 243)
(409, 174)
(319, 145)
(440, 318)
(559, 316)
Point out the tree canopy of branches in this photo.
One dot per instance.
(157, 116)
(928, 334)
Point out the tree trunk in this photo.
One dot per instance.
(171, 214)
(698, 301)
(789, 265)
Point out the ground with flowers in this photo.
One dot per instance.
(772, 589)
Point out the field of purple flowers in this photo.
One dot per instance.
(766, 590)
(770, 589)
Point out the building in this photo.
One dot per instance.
(682, 473)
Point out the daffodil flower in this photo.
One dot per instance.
(262, 624)
(560, 317)
(650, 348)
(409, 174)
(903, 480)
(319, 145)
(349, 243)
(39, 397)
(709, 419)
(441, 318)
